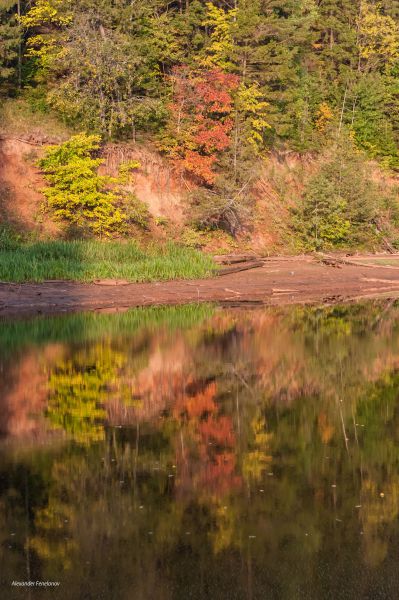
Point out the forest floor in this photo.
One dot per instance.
(278, 281)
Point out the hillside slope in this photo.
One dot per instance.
(282, 178)
(156, 183)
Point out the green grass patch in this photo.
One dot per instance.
(91, 260)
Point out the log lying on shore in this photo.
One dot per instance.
(232, 259)
(255, 264)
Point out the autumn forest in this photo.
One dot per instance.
(223, 92)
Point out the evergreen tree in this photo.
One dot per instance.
(341, 202)
(10, 46)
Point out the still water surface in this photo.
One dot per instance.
(201, 453)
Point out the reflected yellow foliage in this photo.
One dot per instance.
(256, 460)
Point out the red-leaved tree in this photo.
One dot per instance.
(201, 122)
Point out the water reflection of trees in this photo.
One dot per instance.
(240, 452)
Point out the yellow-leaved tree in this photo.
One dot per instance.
(221, 49)
(378, 38)
(253, 110)
(46, 21)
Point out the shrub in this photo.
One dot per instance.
(77, 193)
(194, 238)
(9, 239)
(137, 211)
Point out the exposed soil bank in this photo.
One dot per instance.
(279, 281)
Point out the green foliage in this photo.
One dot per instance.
(323, 216)
(106, 66)
(77, 194)
(99, 73)
(9, 239)
(136, 211)
(10, 47)
(341, 202)
(373, 125)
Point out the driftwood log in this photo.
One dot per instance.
(241, 267)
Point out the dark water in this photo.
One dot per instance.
(201, 453)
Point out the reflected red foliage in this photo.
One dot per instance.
(205, 452)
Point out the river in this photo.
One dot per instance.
(203, 453)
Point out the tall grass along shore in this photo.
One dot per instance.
(91, 260)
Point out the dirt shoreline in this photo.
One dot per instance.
(296, 280)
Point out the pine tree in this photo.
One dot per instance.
(10, 46)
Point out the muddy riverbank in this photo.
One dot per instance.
(293, 280)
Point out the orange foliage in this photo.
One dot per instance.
(200, 119)
(198, 165)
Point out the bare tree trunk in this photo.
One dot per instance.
(341, 120)
(236, 138)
